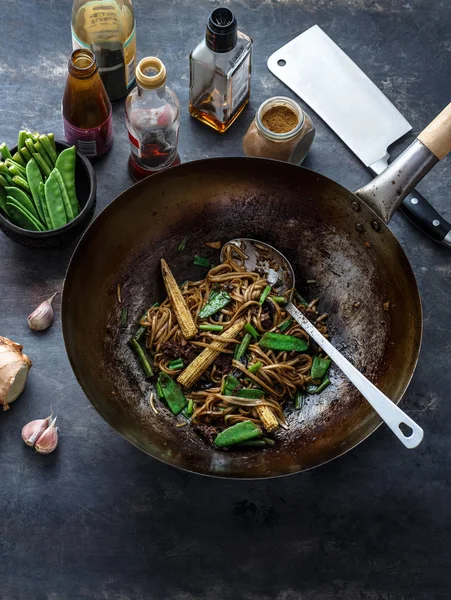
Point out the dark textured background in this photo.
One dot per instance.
(98, 519)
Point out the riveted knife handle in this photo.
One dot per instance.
(418, 210)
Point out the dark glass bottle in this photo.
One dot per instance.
(86, 108)
(107, 27)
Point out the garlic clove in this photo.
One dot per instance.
(32, 431)
(48, 440)
(42, 316)
(14, 367)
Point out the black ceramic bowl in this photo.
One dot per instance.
(85, 185)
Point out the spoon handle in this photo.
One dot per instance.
(385, 408)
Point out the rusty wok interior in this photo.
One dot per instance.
(351, 254)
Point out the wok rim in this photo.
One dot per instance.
(221, 160)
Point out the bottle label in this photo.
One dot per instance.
(135, 143)
(240, 83)
(129, 52)
(90, 142)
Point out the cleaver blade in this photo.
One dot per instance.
(318, 71)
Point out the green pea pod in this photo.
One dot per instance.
(240, 432)
(55, 202)
(34, 178)
(173, 395)
(67, 205)
(44, 206)
(65, 163)
(23, 198)
(3, 202)
(20, 215)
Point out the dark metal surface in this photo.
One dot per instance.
(100, 519)
(308, 218)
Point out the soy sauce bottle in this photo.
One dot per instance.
(86, 108)
(107, 28)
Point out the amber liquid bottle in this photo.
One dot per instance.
(220, 72)
(86, 108)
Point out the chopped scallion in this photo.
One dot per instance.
(265, 294)
(200, 261)
(181, 247)
(251, 329)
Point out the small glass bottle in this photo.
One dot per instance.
(280, 130)
(86, 108)
(107, 27)
(152, 113)
(220, 72)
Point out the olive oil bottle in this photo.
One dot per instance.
(107, 28)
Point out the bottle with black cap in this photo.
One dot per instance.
(220, 72)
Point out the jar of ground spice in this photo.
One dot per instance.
(280, 130)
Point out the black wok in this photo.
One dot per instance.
(329, 234)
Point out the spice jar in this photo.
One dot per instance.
(280, 130)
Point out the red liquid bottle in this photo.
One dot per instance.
(87, 115)
(152, 113)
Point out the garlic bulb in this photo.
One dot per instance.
(48, 440)
(14, 367)
(42, 316)
(32, 431)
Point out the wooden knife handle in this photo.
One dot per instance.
(437, 135)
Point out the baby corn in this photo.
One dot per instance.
(195, 369)
(181, 310)
(268, 419)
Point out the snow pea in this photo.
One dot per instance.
(319, 367)
(240, 432)
(20, 215)
(34, 178)
(22, 198)
(173, 395)
(54, 200)
(65, 163)
(216, 301)
(67, 205)
(3, 201)
(287, 343)
(43, 202)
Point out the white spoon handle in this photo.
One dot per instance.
(385, 408)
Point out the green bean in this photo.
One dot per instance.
(54, 201)
(21, 139)
(23, 199)
(45, 170)
(52, 140)
(67, 205)
(51, 153)
(26, 154)
(21, 182)
(142, 358)
(44, 206)
(65, 163)
(265, 294)
(34, 178)
(18, 159)
(4, 151)
(39, 148)
(20, 215)
(15, 168)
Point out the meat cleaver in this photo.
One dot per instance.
(320, 73)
